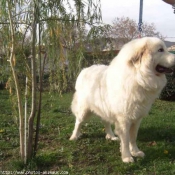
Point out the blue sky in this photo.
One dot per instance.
(154, 11)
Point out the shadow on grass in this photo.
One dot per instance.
(150, 134)
(158, 143)
(44, 162)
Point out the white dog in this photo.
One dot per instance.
(123, 92)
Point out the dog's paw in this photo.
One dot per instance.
(115, 138)
(138, 154)
(73, 138)
(128, 160)
(109, 137)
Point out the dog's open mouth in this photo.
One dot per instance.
(162, 69)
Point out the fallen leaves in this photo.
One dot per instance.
(153, 143)
(1, 130)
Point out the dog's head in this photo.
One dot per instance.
(150, 54)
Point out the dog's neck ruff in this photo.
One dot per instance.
(151, 82)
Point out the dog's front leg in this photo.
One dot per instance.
(122, 130)
(133, 136)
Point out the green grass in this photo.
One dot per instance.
(92, 154)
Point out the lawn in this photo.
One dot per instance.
(92, 154)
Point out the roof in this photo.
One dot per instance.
(169, 43)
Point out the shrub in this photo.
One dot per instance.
(168, 92)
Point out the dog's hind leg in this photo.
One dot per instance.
(81, 113)
(76, 132)
(109, 133)
(81, 117)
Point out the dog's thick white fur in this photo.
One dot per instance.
(123, 92)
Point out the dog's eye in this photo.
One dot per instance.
(161, 50)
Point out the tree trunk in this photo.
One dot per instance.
(25, 123)
(41, 73)
(33, 72)
(17, 87)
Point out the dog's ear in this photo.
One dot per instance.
(138, 56)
